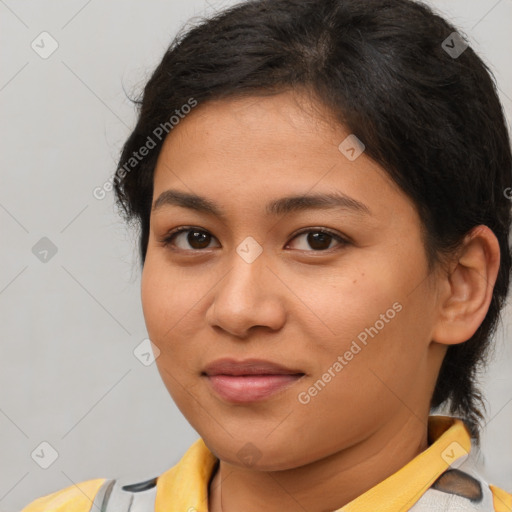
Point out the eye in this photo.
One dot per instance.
(319, 239)
(196, 238)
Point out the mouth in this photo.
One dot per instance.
(249, 380)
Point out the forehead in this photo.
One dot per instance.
(259, 126)
(260, 147)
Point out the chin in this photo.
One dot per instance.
(258, 453)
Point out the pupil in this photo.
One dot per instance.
(202, 240)
(319, 241)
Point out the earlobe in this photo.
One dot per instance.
(469, 287)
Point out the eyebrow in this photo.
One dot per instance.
(280, 206)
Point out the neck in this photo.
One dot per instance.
(323, 485)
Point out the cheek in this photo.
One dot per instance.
(163, 303)
(369, 303)
(153, 297)
(381, 317)
(165, 311)
(171, 304)
(350, 299)
(165, 295)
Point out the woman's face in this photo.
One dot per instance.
(337, 292)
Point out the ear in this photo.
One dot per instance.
(466, 291)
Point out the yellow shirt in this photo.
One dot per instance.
(417, 486)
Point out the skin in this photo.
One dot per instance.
(300, 307)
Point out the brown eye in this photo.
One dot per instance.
(186, 238)
(318, 240)
(196, 239)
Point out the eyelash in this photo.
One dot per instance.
(167, 240)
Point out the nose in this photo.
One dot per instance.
(248, 296)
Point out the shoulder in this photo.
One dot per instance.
(75, 498)
(460, 490)
(186, 481)
(100, 494)
(502, 499)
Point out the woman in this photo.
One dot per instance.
(321, 193)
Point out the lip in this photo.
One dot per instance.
(249, 380)
(250, 388)
(229, 366)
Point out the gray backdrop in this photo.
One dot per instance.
(71, 316)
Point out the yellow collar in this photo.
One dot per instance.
(185, 486)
